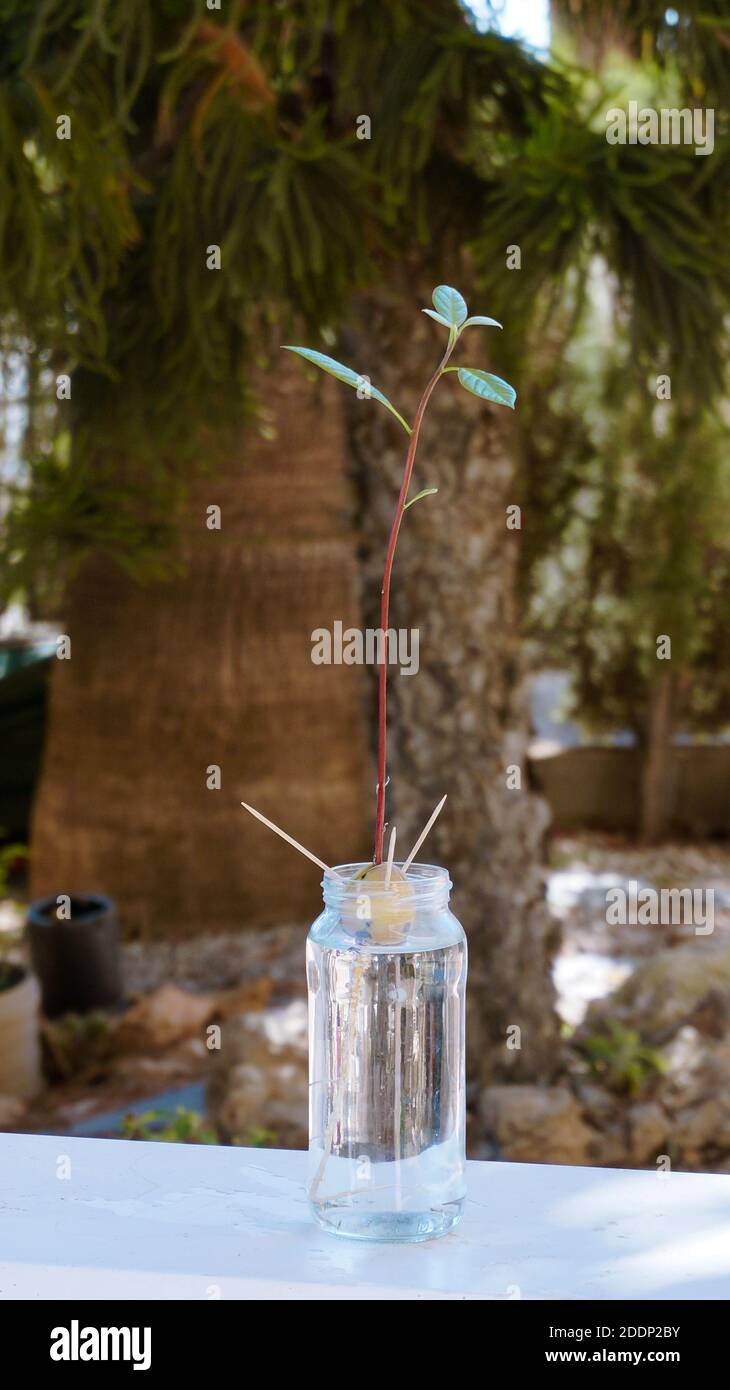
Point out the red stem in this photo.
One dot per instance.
(385, 605)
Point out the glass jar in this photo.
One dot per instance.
(386, 973)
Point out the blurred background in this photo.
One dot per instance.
(185, 186)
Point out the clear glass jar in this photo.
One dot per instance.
(386, 973)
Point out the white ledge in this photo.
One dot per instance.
(163, 1221)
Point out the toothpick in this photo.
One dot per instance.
(278, 831)
(423, 834)
(391, 852)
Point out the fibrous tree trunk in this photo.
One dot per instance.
(656, 772)
(461, 723)
(213, 668)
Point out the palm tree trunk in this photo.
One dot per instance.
(214, 668)
(656, 772)
(461, 722)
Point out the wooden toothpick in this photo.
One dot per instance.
(278, 831)
(391, 852)
(423, 834)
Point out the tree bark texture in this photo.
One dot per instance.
(211, 668)
(460, 723)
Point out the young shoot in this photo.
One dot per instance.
(450, 312)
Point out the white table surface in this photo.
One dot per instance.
(168, 1221)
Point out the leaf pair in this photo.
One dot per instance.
(450, 310)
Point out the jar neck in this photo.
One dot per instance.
(429, 886)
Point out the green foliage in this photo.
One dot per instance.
(181, 1126)
(73, 505)
(648, 211)
(625, 491)
(425, 492)
(629, 538)
(450, 305)
(454, 315)
(350, 378)
(189, 130)
(451, 310)
(192, 129)
(487, 386)
(692, 37)
(437, 317)
(184, 1126)
(78, 1046)
(621, 1059)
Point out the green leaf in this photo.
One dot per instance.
(350, 378)
(479, 318)
(438, 317)
(427, 492)
(450, 304)
(487, 386)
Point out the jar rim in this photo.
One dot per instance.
(427, 883)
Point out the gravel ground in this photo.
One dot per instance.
(595, 956)
(209, 962)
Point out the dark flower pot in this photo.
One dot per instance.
(77, 960)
